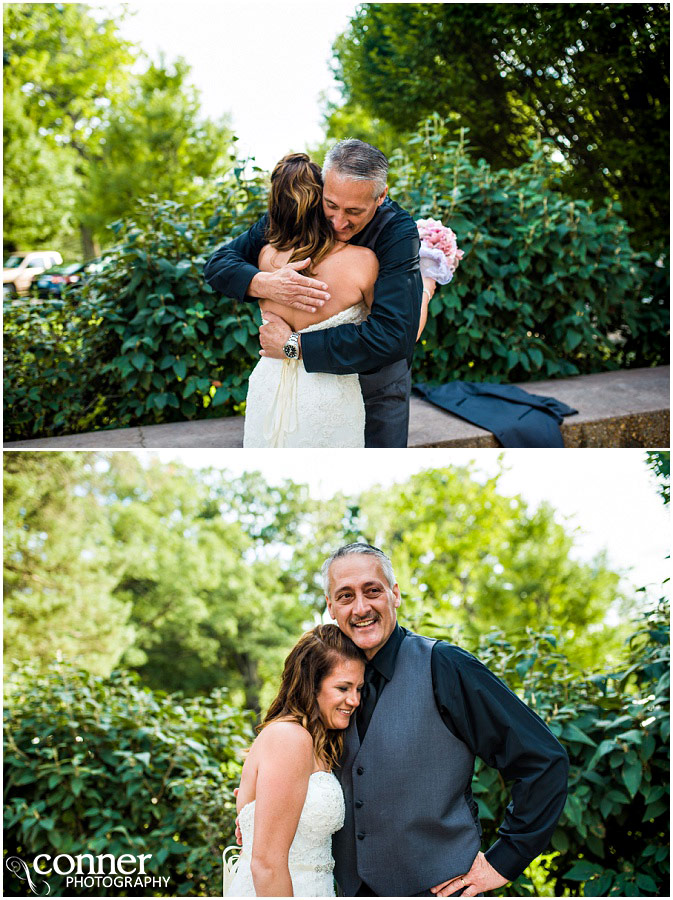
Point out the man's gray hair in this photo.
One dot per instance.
(364, 550)
(360, 161)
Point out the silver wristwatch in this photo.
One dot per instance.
(291, 346)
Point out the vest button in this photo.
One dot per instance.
(360, 770)
(361, 836)
(358, 804)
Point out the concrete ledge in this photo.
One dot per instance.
(629, 408)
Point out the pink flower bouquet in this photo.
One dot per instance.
(439, 251)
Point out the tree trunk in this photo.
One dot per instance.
(90, 247)
(252, 683)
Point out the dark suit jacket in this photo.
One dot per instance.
(389, 332)
(515, 417)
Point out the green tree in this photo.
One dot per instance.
(592, 78)
(40, 183)
(197, 580)
(59, 565)
(466, 555)
(75, 104)
(208, 609)
(107, 559)
(156, 143)
(351, 120)
(71, 69)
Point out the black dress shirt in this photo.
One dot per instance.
(480, 710)
(389, 332)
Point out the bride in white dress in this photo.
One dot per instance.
(289, 803)
(287, 406)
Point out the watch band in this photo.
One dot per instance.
(291, 346)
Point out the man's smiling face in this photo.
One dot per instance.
(349, 204)
(362, 602)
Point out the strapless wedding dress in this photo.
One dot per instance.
(287, 406)
(310, 859)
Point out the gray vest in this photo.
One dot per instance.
(409, 821)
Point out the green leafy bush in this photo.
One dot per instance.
(174, 347)
(548, 286)
(52, 379)
(613, 836)
(144, 341)
(96, 765)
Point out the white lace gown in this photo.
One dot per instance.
(310, 859)
(287, 406)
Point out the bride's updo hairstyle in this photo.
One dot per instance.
(309, 662)
(296, 217)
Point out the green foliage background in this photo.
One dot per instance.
(548, 287)
(111, 562)
(90, 126)
(106, 765)
(591, 78)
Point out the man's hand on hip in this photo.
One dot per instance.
(481, 878)
(288, 287)
(273, 336)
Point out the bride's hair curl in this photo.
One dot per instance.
(310, 661)
(296, 217)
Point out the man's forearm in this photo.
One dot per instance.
(355, 356)
(258, 287)
(496, 725)
(386, 336)
(231, 268)
(230, 277)
(514, 851)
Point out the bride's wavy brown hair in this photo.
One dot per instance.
(296, 217)
(310, 661)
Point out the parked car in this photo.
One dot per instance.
(20, 269)
(53, 282)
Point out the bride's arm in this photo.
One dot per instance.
(429, 285)
(368, 267)
(267, 307)
(285, 765)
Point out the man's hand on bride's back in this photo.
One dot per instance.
(290, 288)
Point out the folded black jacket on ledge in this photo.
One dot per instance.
(515, 417)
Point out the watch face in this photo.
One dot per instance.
(291, 348)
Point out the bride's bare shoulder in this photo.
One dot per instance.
(281, 740)
(285, 730)
(269, 258)
(355, 259)
(360, 253)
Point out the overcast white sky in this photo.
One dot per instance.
(609, 494)
(264, 62)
